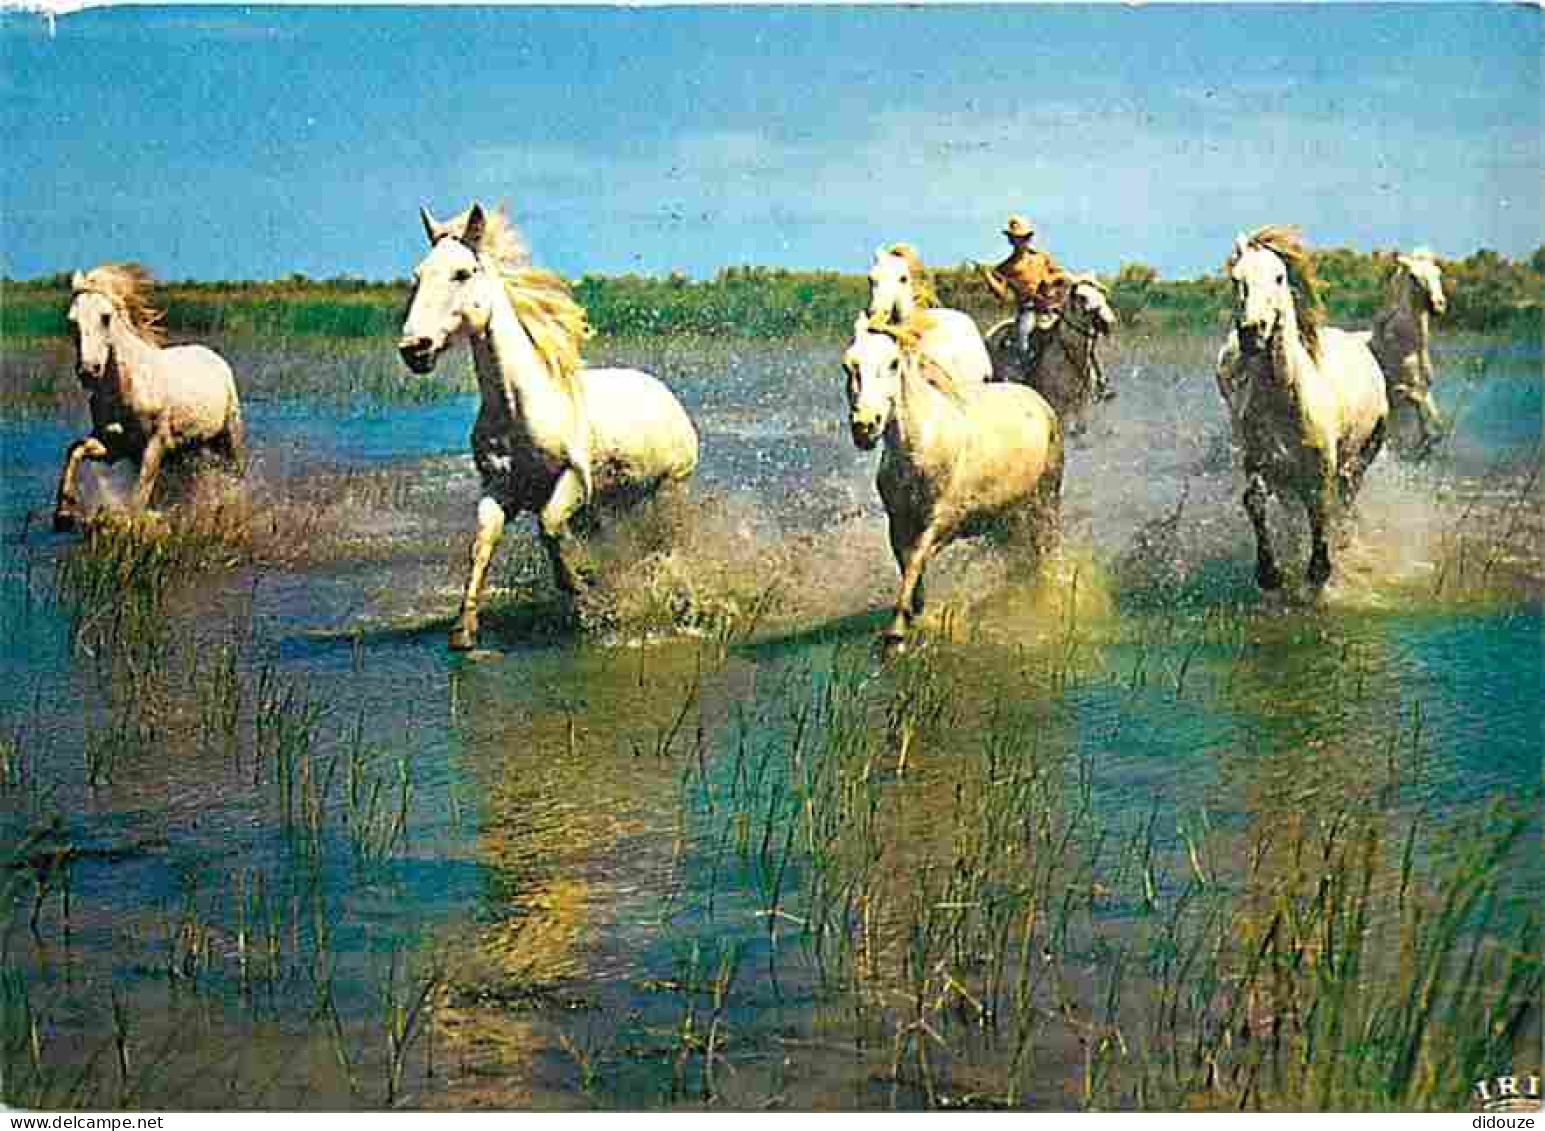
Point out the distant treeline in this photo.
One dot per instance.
(1487, 293)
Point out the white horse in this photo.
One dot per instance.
(901, 294)
(1066, 371)
(1399, 339)
(550, 436)
(1307, 402)
(960, 459)
(148, 402)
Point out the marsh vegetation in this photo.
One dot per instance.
(1120, 834)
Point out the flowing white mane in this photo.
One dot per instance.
(558, 326)
(127, 286)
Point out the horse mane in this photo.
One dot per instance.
(907, 343)
(1076, 280)
(922, 282)
(127, 286)
(910, 332)
(1286, 242)
(1398, 269)
(557, 325)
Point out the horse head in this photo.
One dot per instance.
(1275, 284)
(91, 319)
(1420, 272)
(454, 290)
(109, 300)
(872, 365)
(898, 285)
(1090, 306)
(1263, 298)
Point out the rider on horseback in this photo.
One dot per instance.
(1032, 281)
(1038, 287)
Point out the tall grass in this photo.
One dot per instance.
(987, 922)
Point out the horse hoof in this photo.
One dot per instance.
(892, 645)
(462, 639)
(65, 522)
(1319, 573)
(1269, 578)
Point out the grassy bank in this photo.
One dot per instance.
(1489, 293)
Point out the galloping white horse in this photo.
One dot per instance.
(959, 458)
(1067, 370)
(1400, 336)
(901, 294)
(550, 436)
(1307, 402)
(147, 401)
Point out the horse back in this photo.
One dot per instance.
(956, 344)
(638, 428)
(1018, 433)
(199, 392)
(1349, 364)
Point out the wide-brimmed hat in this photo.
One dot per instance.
(1018, 228)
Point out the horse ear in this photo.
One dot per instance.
(1241, 245)
(477, 220)
(861, 323)
(431, 228)
(78, 281)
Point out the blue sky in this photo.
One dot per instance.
(252, 142)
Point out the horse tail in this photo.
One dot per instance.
(233, 441)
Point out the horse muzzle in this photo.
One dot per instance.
(1253, 336)
(418, 354)
(866, 434)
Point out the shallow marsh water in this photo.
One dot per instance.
(577, 870)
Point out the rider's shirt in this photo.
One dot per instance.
(1032, 277)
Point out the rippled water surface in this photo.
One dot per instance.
(529, 876)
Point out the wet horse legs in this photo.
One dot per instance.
(912, 557)
(568, 496)
(67, 502)
(1267, 575)
(149, 468)
(490, 529)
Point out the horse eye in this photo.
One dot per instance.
(1281, 279)
(106, 320)
(461, 276)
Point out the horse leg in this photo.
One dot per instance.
(67, 502)
(490, 528)
(1320, 503)
(1363, 459)
(567, 497)
(149, 469)
(1431, 421)
(1267, 575)
(909, 599)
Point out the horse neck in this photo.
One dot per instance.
(1290, 359)
(1405, 319)
(510, 371)
(134, 358)
(919, 410)
(1413, 304)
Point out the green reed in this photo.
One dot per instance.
(1345, 962)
